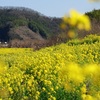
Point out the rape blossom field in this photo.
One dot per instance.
(69, 71)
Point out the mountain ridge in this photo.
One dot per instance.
(23, 26)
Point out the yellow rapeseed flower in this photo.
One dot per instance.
(91, 70)
(75, 20)
(10, 90)
(89, 97)
(65, 19)
(74, 17)
(94, 0)
(71, 34)
(83, 96)
(83, 89)
(84, 23)
(75, 73)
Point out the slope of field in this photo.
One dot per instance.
(69, 71)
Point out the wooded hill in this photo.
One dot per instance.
(24, 27)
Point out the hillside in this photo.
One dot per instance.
(14, 17)
(62, 72)
(23, 27)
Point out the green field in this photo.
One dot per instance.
(69, 71)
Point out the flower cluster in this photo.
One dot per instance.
(61, 72)
(75, 21)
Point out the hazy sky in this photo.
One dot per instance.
(53, 8)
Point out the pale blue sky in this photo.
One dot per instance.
(53, 8)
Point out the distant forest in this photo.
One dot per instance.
(37, 22)
(11, 18)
